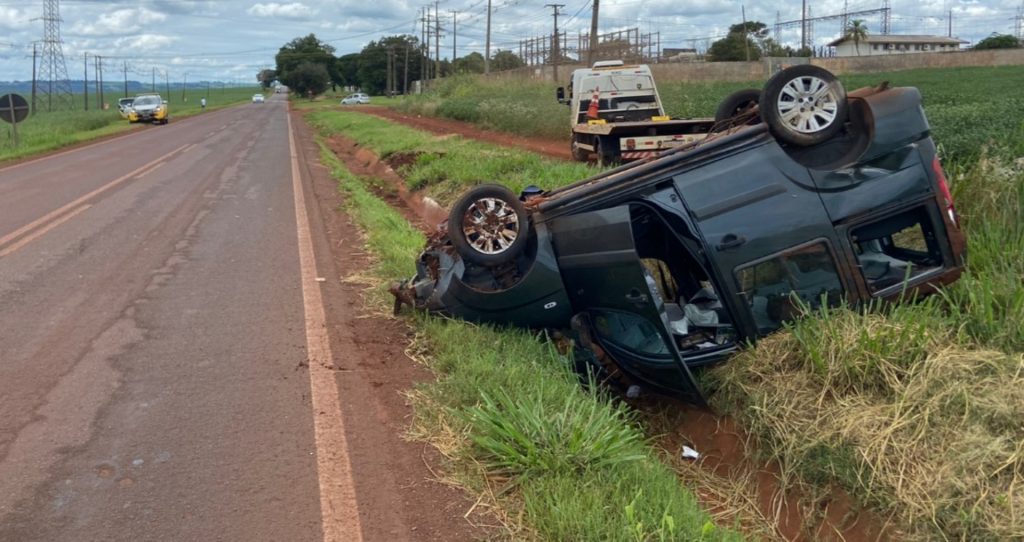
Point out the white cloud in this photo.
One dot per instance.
(294, 10)
(13, 19)
(145, 42)
(122, 21)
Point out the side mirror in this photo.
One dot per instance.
(560, 94)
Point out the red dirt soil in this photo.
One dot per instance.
(553, 148)
(719, 440)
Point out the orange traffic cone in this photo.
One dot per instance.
(594, 107)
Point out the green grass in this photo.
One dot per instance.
(446, 166)
(562, 462)
(45, 131)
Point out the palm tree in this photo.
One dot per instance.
(857, 31)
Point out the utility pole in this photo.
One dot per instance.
(33, 78)
(746, 33)
(153, 83)
(950, 23)
(424, 48)
(455, 15)
(184, 83)
(405, 67)
(487, 47)
(803, 26)
(167, 85)
(125, 78)
(592, 53)
(85, 80)
(437, 41)
(555, 54)
(100, 79)
(388, 80)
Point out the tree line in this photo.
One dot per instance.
(309, 66)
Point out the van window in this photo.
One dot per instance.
(771, 286)
(631, 332)
(896, 249)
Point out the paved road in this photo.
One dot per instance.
(152, 336)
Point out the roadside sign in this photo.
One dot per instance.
(13, 109)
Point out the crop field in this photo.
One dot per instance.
(915, 410)
(46, 131)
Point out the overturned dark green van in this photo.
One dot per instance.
(804, 196)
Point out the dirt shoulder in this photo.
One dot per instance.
(397, 481)
(554, 148)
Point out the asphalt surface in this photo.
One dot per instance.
(151, 339)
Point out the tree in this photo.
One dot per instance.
(998, 41)
(308, 79)
(506, 60)
(857, 31)
(302, 50)
(471, 63)
(372, 69)
(348, 69)
(740, 40)
(266, 78)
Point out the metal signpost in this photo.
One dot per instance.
(13, 109)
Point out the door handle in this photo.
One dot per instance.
(731, 240)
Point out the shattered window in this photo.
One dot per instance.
(774, 288)
(896, 249)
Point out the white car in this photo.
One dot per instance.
(257, 98)
(355, 99)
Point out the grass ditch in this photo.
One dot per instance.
(46, 131)
(913, 409)
(556, 460)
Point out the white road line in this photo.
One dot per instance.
(339, 514)
(41, 232)
(63, 209)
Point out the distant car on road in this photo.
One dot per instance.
(257, 98)
(149, 108)
(355, 99)
(124, 105)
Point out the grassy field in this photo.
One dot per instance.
(966, 106)
(44, 131)
(557, 462)
(915, 409)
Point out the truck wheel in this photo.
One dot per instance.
(804, 105)
(605, 156)
(736, 103)
(578, 154)
(488, 225)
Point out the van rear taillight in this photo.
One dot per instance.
(940, 178)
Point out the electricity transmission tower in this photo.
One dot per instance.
(54, 85)
(1018, 29)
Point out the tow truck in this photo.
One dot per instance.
(617, 115)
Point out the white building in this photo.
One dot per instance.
(892, 44)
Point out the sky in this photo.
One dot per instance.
(231, 40)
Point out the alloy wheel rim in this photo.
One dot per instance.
(807, 104)
(490, 225)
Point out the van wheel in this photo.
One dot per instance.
(488, 225)
(737, 103)
(804, 105)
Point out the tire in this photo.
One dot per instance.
(605, 157)
(804, 105)
(578, 154)
(736, 103)
(488, 225)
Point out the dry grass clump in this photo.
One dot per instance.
(929, 433)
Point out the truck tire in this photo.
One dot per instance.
(578, 154)
(488, 225)
(804, 105)
(736, 103)
(605, 156)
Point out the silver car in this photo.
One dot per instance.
(355, 99)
